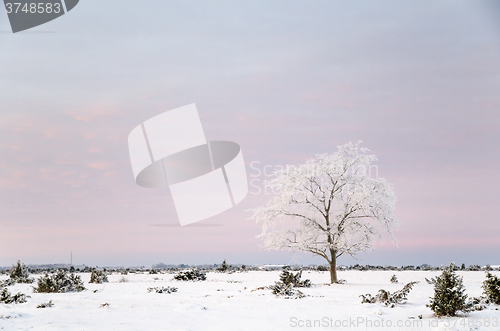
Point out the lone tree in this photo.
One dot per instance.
(329, 206)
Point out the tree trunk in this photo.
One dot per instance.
(333, 270)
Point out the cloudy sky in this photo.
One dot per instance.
(417, 81)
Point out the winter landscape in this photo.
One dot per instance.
(250, 165)
(233, 298)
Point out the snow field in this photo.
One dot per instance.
(231, 302)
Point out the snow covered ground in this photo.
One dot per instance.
(227, 302)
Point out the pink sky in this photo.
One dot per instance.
(417, 82)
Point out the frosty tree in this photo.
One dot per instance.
(328, 206)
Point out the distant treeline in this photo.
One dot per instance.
(50, 268)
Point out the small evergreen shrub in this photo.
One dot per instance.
(389, 299)
(287, 284)
(449, 294)
(478, 303)
(224, 267)
(394, 279)
(431, 281)
(322, 268)
(19, 273)
(286, 290)
(287, 277)
(59, 282)
(193, 275)
(46, 305)
(98, 277)
(491, 288)
(162, 289)
(7, 282)
(6, 297)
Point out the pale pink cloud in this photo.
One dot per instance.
(91, 113)
(98, 165)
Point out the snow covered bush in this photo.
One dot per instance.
(322, 268)
(431, 281)
(193, 274)
(287, 284)
(98, 277)
(6, 297)
(162, 289)
(286, 290)
(60, 282)
(491, 288)
(224, 267)
(7, 282)
(394, 279)
(45, 305)
(449, 294)
(19, 273)
(478, 303)
(387, 298)
(287, 277)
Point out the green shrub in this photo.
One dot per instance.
(6, 297)
(193, 275)
(491, 288)
(387, 298)
(449, 294)
(162, 289)
(287, 284)
(322, 268)
(286, 290)
(60, 282)
(19, 273)
(287, 277)
(224, 267)
(98, 277)
(45, 305)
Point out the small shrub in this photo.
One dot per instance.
(46, 305)
(322, 268)
(98, 277)
(394, 279)
(122, 280)
(193, 275)
(224, 267)
(477, 303)
(431, 281)
(388, 299)
(19, 273)
(153, 272)
(286, 290)
(60, 282)
(287, 284)
(287, 277)
(7, 282)
(449, 294)
(491, 288)
(162, 289)
(7, 298)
